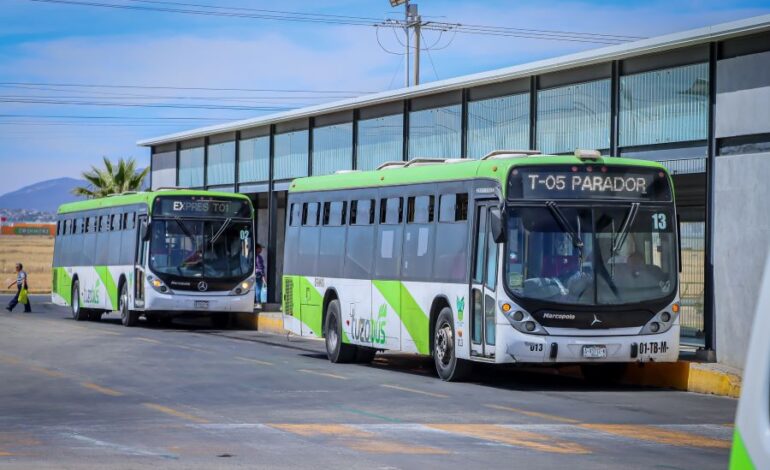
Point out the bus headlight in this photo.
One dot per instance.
(157, 284)
(244, 286)
(661, 322)
(521, 320)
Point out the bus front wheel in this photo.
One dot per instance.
(78, 313)
(127, 317)
(336, 350)
(448, 366)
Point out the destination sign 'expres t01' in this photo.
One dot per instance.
(200, 206)
(588, 181)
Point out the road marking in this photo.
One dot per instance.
(190, 348)
(412, 390)
(6, 454)
(100, 389)
(513, 437)
(128, 450)
(149, 340)
(9, 360)
(324, 374)
(255, 361)
(533, 414)
(357, 439)
(176, 413)
(48, 372)
(659, 435)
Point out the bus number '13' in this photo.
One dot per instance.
(659, 221)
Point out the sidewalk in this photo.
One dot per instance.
(687, 374)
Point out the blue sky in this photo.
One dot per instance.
(50, 43)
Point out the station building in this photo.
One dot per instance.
(698, 101)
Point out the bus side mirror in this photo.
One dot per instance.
(497, 225)
(145, 232)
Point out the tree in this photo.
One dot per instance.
(112, 179)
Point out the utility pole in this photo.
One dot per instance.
(411, 20)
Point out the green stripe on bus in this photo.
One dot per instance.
(310, 307)
(739, 456)
(414, 319)
(109, 284)
(62, 284)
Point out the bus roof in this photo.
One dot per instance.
(452, 170)
(144, 197)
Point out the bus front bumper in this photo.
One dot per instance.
(522, 348)
(203, 305)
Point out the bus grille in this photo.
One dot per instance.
(288, 296)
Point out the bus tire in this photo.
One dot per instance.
(603, 374)
(365, 355)
(448, 366)
(78, 312)
(336, 350)
(127, 317)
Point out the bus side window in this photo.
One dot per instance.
(359, 255)
(295, 216)
(331, 253)
(450, 260)
(334, 213)
(310, 214)
(391, 210)
(390, 238)
(418, 238)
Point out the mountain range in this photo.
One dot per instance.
(45, 196)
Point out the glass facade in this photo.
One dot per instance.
(191, 168)
(498, 123)
(164, 170)
(254, 159)
(332, 148)
(574, 116)
(435, 132)
(221, 164)
(291, 152)
(380, 140)
(663, 106)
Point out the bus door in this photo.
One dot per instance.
(483, 282)
(142, 237)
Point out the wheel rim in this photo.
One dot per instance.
(444, 345)
(123, 302)
(331, 335)
(76, 299)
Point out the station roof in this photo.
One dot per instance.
(653, 45)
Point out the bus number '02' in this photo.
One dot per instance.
(653, 347)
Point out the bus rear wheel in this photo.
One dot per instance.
(78, 312)
(336, 350)
(127, 317)
(448, 366)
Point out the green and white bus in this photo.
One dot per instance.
(513, 258)
(158, 254)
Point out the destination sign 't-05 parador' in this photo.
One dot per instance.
(588, 181)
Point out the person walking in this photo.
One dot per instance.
(259, 272)
(21, 283)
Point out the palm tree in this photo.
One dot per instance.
(112, 179)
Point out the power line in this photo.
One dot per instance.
(145, 105)
(65, 116)
(170, 87)
(237, 12)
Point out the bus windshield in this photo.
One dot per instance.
(614, 255)
(211, 249)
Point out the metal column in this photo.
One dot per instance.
(272, 225)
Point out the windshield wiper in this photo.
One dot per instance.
(183, 227)
(566, 226)
(623, 233)
(220, 231)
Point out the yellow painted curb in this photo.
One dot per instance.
(269, 322)
(686, 376)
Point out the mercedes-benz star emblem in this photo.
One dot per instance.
(596, 320)
(202, 286)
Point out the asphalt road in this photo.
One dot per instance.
(99, 395)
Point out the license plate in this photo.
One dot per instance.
(202, 304)
(595, 352)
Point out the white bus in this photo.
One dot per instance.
(157, 254)
(514, 258)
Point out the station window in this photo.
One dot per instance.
(362, 212)
(419, 210)
(334, 213)
(453, 207)
(310, 214)
(391, 210)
